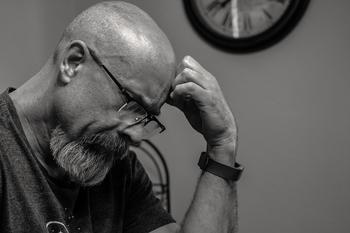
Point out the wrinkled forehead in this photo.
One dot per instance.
(148, 81)
(150, 87)
(142, 57)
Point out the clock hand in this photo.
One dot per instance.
(227, 21)
(216, 5)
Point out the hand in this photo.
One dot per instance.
(197, 94)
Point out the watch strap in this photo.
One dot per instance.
(218, 169)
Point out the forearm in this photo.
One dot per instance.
(197, 93)
(214, 206)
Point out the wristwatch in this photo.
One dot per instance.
(218, 169)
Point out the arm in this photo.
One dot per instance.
(214, 206)
(197, 93)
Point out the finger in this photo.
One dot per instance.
(173, 102)
(176, 102)
(188, 62)
(191, 63)
(188, 91)
(188, 75)
(180, 67)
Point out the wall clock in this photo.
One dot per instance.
(244, 25)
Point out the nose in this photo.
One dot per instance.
(134, 133)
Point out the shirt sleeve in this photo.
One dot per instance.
(144, 212)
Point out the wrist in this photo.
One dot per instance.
(224, 153)
(229, 173)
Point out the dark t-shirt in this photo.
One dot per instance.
(30, 201)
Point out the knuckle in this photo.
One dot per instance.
(187, 59)
(177, 89)
(211, 78)
(212, 101)
(190, 87)
(188, 73)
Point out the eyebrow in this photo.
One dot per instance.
(155, 111)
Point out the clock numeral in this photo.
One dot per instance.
(268, 15)
(247, 23)
(227, 21)
(214, 7)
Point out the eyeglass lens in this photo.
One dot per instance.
(132, 113)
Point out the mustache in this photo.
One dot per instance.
(88, 159)
(107, 141)
(84, 166)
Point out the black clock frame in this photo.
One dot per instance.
(274, 34)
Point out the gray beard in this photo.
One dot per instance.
(88, 159)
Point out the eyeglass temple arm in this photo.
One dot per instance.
(98, 61)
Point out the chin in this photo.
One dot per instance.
(88, 159)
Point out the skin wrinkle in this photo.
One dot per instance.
(88, 159)
(72, 92)
(151, 97)
(134, 49)
(125, 68)
(130, 38)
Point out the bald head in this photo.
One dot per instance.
(129, 43)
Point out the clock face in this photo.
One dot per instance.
(244, 25)
(241, 18)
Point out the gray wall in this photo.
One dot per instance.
(292, 103)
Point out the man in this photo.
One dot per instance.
(64, 135)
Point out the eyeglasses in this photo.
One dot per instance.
(132, 112)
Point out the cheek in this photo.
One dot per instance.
(77, 108)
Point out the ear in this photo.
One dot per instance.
(74, 56)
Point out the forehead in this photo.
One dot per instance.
(150, 89)
(148, 83)
(145, 66)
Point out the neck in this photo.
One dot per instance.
(33, 101)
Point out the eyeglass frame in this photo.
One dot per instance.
(149, 117)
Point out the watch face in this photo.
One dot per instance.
(244, 25)
(241, 18)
